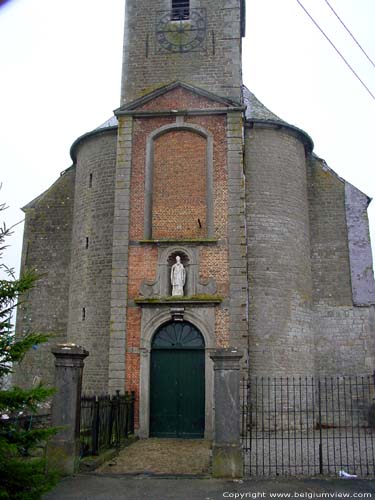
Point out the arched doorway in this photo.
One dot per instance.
(177, 382)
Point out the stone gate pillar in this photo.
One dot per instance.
(227, 457)
(63, 448)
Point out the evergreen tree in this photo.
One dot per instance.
(22, 473)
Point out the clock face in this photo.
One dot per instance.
(185, 35)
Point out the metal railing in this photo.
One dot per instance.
(308, 426)
(105, 422)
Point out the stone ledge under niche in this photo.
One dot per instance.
(181, 241)
(171, 300)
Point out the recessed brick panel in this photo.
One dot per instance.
(216, 126)
(179, 185)
(141, 130)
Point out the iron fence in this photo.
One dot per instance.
(105, 422)
(308, 426)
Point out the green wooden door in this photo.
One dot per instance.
(177, 395)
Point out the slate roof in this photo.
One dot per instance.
(255, 110)
(111, 122)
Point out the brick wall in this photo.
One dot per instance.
(178, 98)
(179, 198)
(141, 130)
(214, 264)
(179, 186)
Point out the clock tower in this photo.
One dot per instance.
(194, 41)
(180, 145)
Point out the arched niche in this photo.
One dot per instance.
(189, 259)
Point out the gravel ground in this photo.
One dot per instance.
(162, 456)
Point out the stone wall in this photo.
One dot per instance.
(215, 67)
(344, 334)
(329, 237)
(280, 284)
(46, 248)
(360, 255)
(91, 269)
(345, 340)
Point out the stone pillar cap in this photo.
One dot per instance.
(227, 359)
(228, 352)
(69, 349)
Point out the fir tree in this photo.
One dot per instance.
(22, 473)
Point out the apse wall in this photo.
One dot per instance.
(91, 266)
(278, 252)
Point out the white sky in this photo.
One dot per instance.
(60, 67)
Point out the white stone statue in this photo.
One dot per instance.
(178, 277)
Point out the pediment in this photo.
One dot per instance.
(177, 96)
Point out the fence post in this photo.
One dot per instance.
(227, 457)
(95, 427)
(132, 403)
(118, 425)
(63, 449)
(320, 429)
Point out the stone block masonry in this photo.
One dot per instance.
(47, 249)
(237, 268)
(329, 236)
(215, 66)
(281, 340)
(120, 246)
(335, 209)
(91, 267)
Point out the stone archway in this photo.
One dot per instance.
(177, 382)
(152, 320)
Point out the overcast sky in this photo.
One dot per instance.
(60, 70)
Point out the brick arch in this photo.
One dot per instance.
(179, 183)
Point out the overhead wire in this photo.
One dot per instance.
(350, 33)
(337, 50)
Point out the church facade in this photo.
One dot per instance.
(273, 246)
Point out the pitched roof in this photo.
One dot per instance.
(111, 122)
(255, 110)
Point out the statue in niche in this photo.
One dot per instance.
(178, 277)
